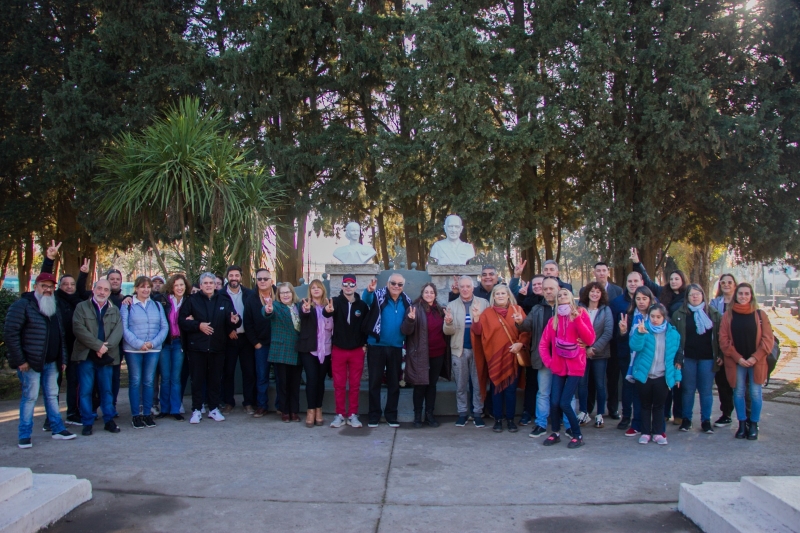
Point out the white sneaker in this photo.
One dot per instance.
(338, 422)
(155, 410)
(181, 410)
(644, 439)
(216, 415)
(660, 439)
(583, 418)
(196, 417)
(204, 409)
(354, 421)
(599, 422)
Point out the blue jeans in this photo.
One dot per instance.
(115, 380)
(697, 375)
(262, 377)
(141, 372)
(598, 371)
(562, 390)
(743, 375)
(544, 377)
(507, 396)
(89, 374)
(30, 382)
(171, 364)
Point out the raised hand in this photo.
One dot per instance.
(329, 306)
(306, 305)
(475, 312)
(454, 285)
(635, 255)
(373, 284)
(85, 266)
(412, 313)
(448, 316)
(52, 250)
(523, 290)
(268, 306)
(519, 268)
(623, 323)
(517, 316)
(641, 327)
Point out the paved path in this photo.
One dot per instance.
(784, 383)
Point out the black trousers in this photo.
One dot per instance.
(531, 389)
(289, 376)
(242, 351)
(653, 395)
(612, 383)
(207, 368)
(725, 392)
(427, 393)
(315, 378)
(380, 358)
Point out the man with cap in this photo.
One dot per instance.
(347, 351)
(97, 325)
(34, 337)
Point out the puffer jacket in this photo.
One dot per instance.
(603, 331)
(143, 324)
(644, 344)
(26, 333)
(578, 329)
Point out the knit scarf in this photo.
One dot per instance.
(701, 319)
(742, 309)
(656, 329)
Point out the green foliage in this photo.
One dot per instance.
(7, 298)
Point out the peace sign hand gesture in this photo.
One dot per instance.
(475, 313)
(306, 305)
(373, 284)
(329, 306)
(412, 313)
(623, 323)
(523, 290)
(517, 316)
(268, 306)
(52, 250)
(448, 316)
(85, 266)
(641, 328)
(454, 285)
(519, 268)
(635, 255)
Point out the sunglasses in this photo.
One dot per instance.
(348, 284)
(263, 279)
(396, 283)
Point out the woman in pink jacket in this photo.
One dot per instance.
(563, 351)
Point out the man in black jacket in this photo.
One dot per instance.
(347, 351)
(238, 349)
(489, 279)
(116, 297)
(207, 318)
(34, 336)
(258, 330)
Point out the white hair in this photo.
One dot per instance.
(205, 275)
(467, 278)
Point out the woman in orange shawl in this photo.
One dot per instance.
(498, 346)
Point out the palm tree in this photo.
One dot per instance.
(185, 179)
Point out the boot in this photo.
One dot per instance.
(742, 432)
(431, 420)
(310, 415)
(752, 433)
(318, 420)
(417, 419)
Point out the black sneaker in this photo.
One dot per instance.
(462, 421)
(148, 421)
(552, 439)
(24, 443)
(372, 424)
(178, 417)
(46, 426)
(512, 427)
(568, 431)
(705, 426)
(111, 427)
(137, 422)
(87, 430)
(478, 421)
(431, 420)
(393, 423)
(538, 431)
(498, 426)
(625, 423)
(74, 420)
(63, 435)
(162, 414)
(525, 419)
(576, 442)
(686, 425)
(614, 415)
(723, 421)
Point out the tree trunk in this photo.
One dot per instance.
(384, 247)
(25, 262)
(290, 244)
(4, 266)
(154, 245)
(410, 234)
(700, 271)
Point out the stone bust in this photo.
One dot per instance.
(354, 253)
(452, 250)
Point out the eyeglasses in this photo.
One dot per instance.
(263, 279)
(351, 284)
(396, 283)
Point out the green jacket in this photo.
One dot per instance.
(283, 345)
(84, 325)
(679, 319)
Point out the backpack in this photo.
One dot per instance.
(774, 355)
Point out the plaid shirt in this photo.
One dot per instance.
(283, 347)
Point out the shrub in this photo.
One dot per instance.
(6, 299)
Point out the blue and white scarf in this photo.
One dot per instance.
(701, 319)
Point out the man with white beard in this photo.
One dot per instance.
(34, 337)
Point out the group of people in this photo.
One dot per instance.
(662, 343)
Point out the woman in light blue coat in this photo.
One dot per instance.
(145, 328)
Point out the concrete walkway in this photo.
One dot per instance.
(248, 474)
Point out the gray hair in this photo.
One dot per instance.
(467, 278)
(551, 262)
(205, 275)
(489, 267)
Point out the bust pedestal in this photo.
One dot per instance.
(442, 278)
(363, 273)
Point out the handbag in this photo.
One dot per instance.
(567, 350)
(520, 360)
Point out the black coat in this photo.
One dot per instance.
(348, 336)
(217, 312)
(68, 302)
(27, 331)
(257, 327)
(307, 338)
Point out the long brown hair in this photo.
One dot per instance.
(667, 294)
(584, 296)
(324, 292)
(424, 304)
(169, 286)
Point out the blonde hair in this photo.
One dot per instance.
(291, 289)
(573, 309)
(511, 299)
(321, 286)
